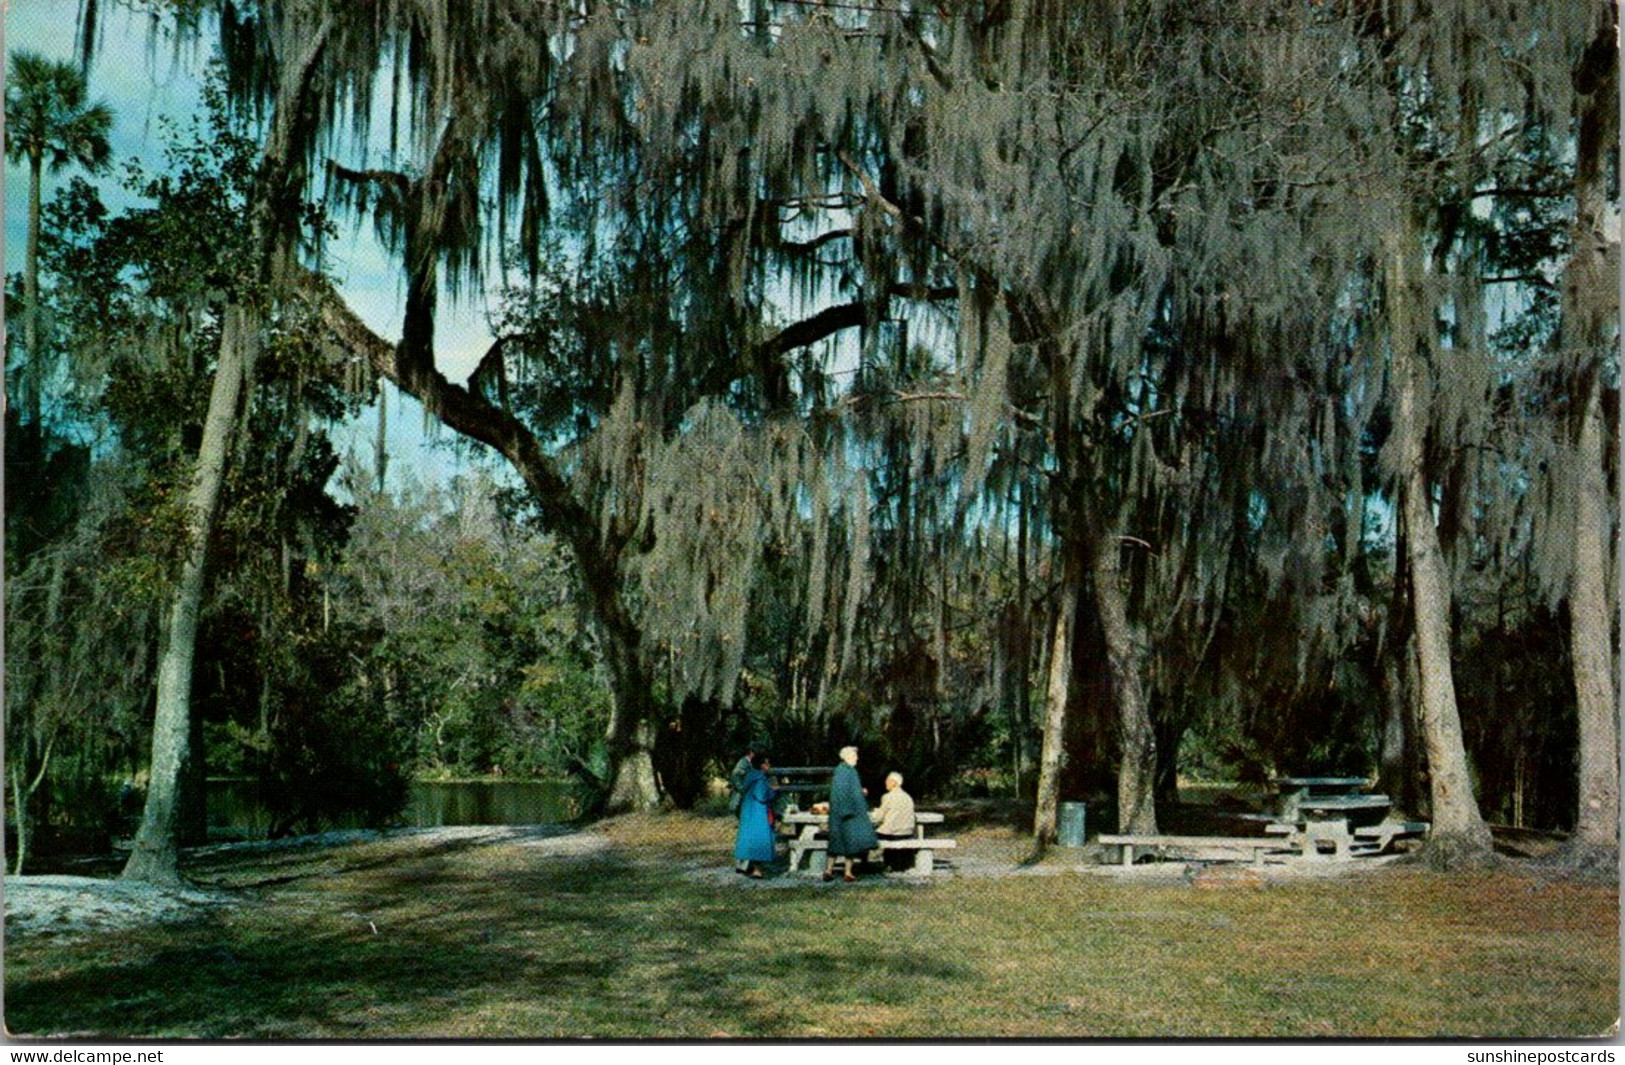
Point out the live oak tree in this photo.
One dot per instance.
(1588, 340)
(1462, 85)
(825, 287)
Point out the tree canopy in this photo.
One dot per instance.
(1077, 398)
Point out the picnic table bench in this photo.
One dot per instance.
(1317, 818)
(1258, 848)
(809, 841)
(1343, 826)
(1380, 837)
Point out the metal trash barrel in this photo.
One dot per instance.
(1071, 833)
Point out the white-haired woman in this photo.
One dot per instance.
(851, 835)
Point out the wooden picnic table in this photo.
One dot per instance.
(809, 839)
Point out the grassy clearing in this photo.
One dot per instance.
(636, 935)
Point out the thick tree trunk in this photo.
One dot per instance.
(1589, 303)
(156, 853)
(1459, 834)
(631, 732)
(1057, 690)
(1398, 771)
(1457, 823)
(1137, 740)
(1591, 638)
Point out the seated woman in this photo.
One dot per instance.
(754, 844)
(894, 819)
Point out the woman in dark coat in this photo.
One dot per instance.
(851, 833)
(754, 842)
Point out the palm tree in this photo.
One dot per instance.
(48, 122)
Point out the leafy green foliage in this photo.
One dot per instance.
(136, 298)
(473, 640)
(832, 338)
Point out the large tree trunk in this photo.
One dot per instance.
(1459, 834)
(1589, 296)
(1591, 638)
(630, 737)
(1057, 691)
(1137, 740)
(156, 853)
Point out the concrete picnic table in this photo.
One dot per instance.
(1293, 790)
(1335, 819)
(1312, 812)
(808, 838)
(1346, 822)
(799, 778)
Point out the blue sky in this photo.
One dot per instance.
(148, 76)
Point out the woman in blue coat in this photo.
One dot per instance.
(851, 833)
(754, 844)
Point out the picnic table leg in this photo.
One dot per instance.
(923, 860)
(808, 833)
(1334, 832)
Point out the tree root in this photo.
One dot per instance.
(1578, 860)
(1458, 853)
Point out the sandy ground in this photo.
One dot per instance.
(83, 905)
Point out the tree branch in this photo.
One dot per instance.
(473, 416)
(816, 242)
(391, 179)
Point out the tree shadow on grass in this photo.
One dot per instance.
(248, 867)
(432, 944)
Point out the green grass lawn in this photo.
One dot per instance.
(397, 939)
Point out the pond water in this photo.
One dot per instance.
(235, 809)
